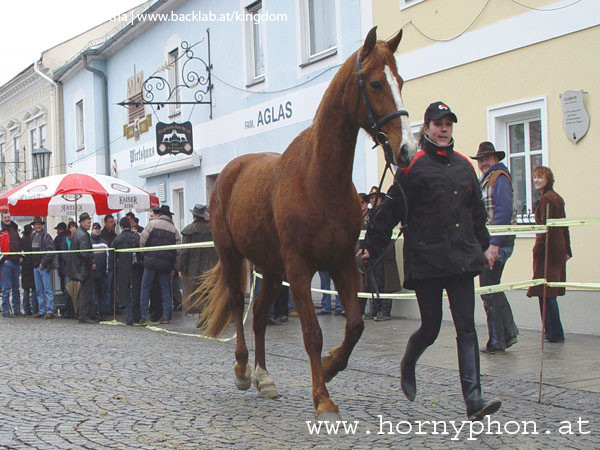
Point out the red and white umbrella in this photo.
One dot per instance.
(74, 193)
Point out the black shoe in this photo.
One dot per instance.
(382, 318)
(324, 313)
(87, 321)
(7, 315)
(487, 409)
(18, 314)
(282, 319)
(408, 379)
(337, 312)
(274, 321)
(491, 350)
(510, 342)
(468, 368)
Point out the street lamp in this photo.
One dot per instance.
(41, 161)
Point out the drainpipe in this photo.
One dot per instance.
(57, 132)
(105, 110)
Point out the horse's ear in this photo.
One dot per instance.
(370, 42)
(392, 44)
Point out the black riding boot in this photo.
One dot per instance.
(468, 366)
(414, 349)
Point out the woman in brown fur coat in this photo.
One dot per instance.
(559, 251)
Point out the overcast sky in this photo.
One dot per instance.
(28, 27)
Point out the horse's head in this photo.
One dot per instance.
(381, 109)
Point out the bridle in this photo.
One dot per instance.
(378, 136)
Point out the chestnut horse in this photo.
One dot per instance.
(299, 213)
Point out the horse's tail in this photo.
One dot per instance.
(213, 299)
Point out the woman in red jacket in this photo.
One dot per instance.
(559, 251)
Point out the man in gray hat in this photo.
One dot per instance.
(497, 196)
(158, 264)
(80, 267)
(193, 262)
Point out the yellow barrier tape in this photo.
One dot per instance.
(179, 333)
(592, 221)
(584, 286)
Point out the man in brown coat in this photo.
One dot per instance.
(193, 262)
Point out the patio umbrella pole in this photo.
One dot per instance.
(547, 238)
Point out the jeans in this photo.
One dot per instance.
(100, 297)
(43, 288)
(554, 329)
(164, 279)
(10, 282)
(326, 300)
(500, 321)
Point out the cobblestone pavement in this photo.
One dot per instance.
(66, 385)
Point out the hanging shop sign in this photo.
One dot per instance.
(576, 120)
(174, 138)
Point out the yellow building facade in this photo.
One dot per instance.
(501, 66)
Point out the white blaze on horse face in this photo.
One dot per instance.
(408, 138)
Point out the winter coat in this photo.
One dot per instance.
(445, 232)
(10, 241)
(79, 266)
(27, 278)
(48, 261)
(193, 262)
(160, 231)
(100, 257)
(124, 265)
(559, 246)
(60, 243)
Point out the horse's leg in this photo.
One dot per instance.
(231, 265)
(346, 283)
(300, 278)
(270, 286)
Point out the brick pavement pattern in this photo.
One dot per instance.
(66, 385)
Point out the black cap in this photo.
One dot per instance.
(163, 210)
(84, 216)
(437, 110)
(96, 225)
(61, 226)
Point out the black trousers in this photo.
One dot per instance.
(461, 294)
(86, 309)
(501, 324)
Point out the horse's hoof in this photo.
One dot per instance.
(329, 416)
(244, 383)
(264, 384)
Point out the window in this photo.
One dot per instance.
(520, 129)
(319, 30)
(256, 66)
(174, 109)
(2, 164)
(525, 154)
(79, 130)
(19, 171)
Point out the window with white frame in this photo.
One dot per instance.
(319, 29)
(174, 109)
(79, 125)
(2, 164)
(520, 129)
(16, 143)
(254, 56)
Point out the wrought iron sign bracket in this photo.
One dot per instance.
(189, 78)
